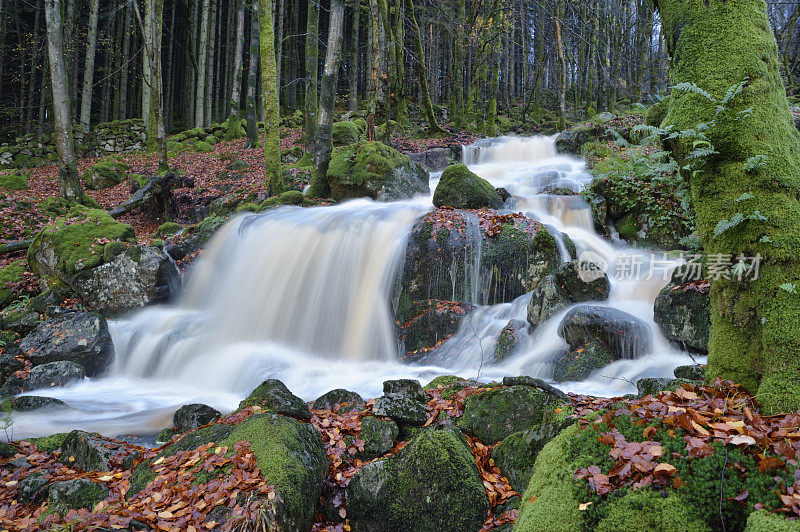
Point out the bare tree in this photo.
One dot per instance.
(88, 66)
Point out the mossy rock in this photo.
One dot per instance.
(516, 454)
(683, 313)
(292, 155)
(236, 166)
(579, 363)
(656, 113)
(168, 229)
(75, 243)
(339, 400)
(431, 484)
(693, 372)
(10, 274)
(344, 133)
(290, 455)
(139, 179)
(50, 443)
(249, 206)
(495, 414)
(74, 494)
(203, 147)
(652, 386)
(16, 180)
(444, 381)
(211, 139)
(290, 197)
(274, 396)
(105, 174)
(461, 188)
(508, 340)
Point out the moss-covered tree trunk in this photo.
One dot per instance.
(457, 100)
(233, 127)
(312, 71)
(269, 90)
(372, 87)
(323, 145)
(755, 324)
(422, 72)
(252, 81)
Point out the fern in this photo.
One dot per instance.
(743, 197)
(789, 287)
(693, 88)
(724, 225)
(755, 163)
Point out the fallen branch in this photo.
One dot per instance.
(154, 196)
(535, 383)
(13, 247)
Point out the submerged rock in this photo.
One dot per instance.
(682, 314)
(54, 374)
(625, 336)
(190, 417)
(274, 396)
(432, 484)
(78, 337)
(138, 277)
(461, 188)
(343, 400)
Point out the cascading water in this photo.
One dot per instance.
(304, 295)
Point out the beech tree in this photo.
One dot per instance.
(269, 91)
(88, 69)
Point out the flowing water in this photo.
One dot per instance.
(304, 295)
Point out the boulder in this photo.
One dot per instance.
(375, 170)
(682, 314)
(21, 320)
(574, 282)
(509, 339)
(577, 364)
(105, 174)
(53, 374)
(460, 188)
(431, 321)
(435, 159)
(9, 364)
(410, 388)
(339, 400)
(432, 484)
(378, 436)
(75, 242)
(90, 452)
(402, 409)
(345, 132)
(140, 276)
(572, 140)
(79, 337)
(28, 403)
(74, 494)
(625, 336)
(547, 299)
(274, 396)
(290, 455)
(652, 386)
(190, 417)
(694, 372)
(516, 454)
(30, 489)
(495, 414)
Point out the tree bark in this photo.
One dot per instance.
(755, 323)
(312, 68)
(70, 185)
(422, 72)
(252, 81)
(88, 66)
(269, 89)
(233, 128)
(457, 102)
(151, 28)
(562, 67)
(372, 88)
(352, 102)
(323, 145)
(202, 66)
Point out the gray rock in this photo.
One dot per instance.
(27, 403)
(652, 386)
(574, 282)
(54, 374)
(410, 388)
(30, 489)
(190, 417)
(378, 436)
(140, 276)
(434, 159)
(336, 398)
(78, 337)
(682, 313)
(625, 336)
(402, 409)
(274, 396)
(90, 452)
(508, 340)
(577, 364)
(694, 372)
(572, 140)
(516, 454)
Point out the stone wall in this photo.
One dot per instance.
(123, 136)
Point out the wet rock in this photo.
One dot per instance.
(75, 494)
(548, 298)
(682, 314)
(410, 388)
(495, 414)
(30, 489)
(461, 188)
(339, 399)
(78, 337)
(28, 403)
(516, 454)
(8, 365)
(577, 364)
(402, 409)
(432, 484)
(574, 282)
(54, 374)
(378, 436)
(140, 276)
(90, 452)
(192, 416)
(435, 159)
(274, 396)
(509, 339)
(20, 320)
(572, 140)
(625, 336)
(432, 321)
(652, 386)
(694, 372)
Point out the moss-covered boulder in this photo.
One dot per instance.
(460, 188)
(374, 170)
(578, 363)
(29, 403)
(54, 374)
(378, 436)
(140, 276)
(290, 197)
(203, 147)
(432, 484)
(30, 489)
(402, 409)
(625, 336)
(15, 180)
(653, 385)
(90, 452)
(290, 455)
(75, 243)
(495, 414)
(8, 276)
(274, 396)
(338, 400)
(516, 454)
(79, 337)
(693, 372)
(168, 229)
(431, 322)
(682, 312)
(74, 494)
(193, 416)
(105, 174)
(509, 339)
(344, 133)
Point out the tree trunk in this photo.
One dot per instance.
(269, 90)
(151, 31)
(312, 67)
(352, 102)
(70, 185)
(202, 66)
(233, 129)
(372, 88)
(322, 144)
(755, 323)
(422, 72)
(252, 81)
(562, 67)
(88, 66)
(122, 104)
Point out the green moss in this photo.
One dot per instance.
(211, 139)
(16, 180)
(461, 188)
(442, 380)
(762, 521)
(290, 197)
(50, 443)
(656, 113)
(104, 174)
(356, 164)
(646, 510)
(167, 229)
(345, 133)
(10, 274)
(74, 242)
(233, 128)
(248, 207)
(203, 147)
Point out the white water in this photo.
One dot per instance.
(304, 295)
